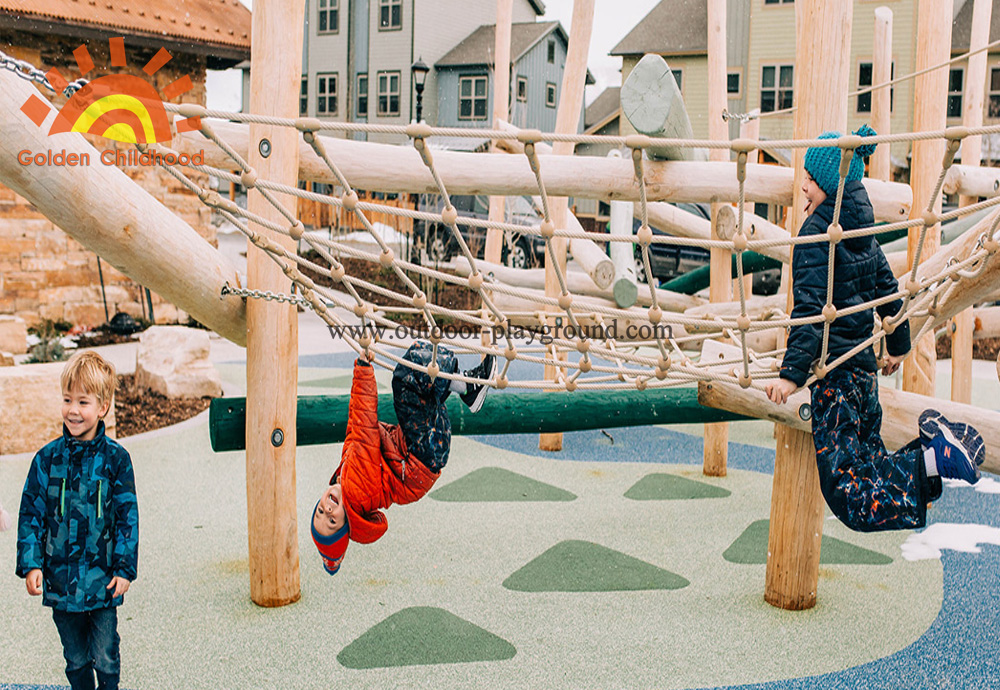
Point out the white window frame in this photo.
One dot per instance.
(738, 73)
(330, 9)
(473, 99)
(550, 94)
(778, 90)
(956, 96)
(362, 94)
(324, 94)
(861, 96)
(388, 93)
(522, 93)
(385, 12)
(993, 94)
(304, 96)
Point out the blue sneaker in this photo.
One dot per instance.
(953, 461)
(932, 422)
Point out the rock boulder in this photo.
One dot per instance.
(174, 361)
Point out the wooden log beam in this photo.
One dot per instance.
(391, 168)
(971, 180)
(534, 278)
(900, 410)
(323, 418)
(625, 288)
(108, 213)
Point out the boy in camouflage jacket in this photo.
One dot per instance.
(78, 528)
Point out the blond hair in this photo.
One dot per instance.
(91, 373)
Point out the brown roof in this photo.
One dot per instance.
(220, 24)
(961, 28)
(477, 48)
(673, 27)
(607, 103)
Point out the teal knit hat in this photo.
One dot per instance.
(823, 163)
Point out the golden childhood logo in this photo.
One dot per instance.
(122, 107)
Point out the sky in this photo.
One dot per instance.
(612, 20)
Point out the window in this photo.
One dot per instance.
(390, 15)
(778, 2)
(865, 76)
(522, 89)
(362, 95)
(550, 95)
(993, 106)
(388, 94)
(472, 98)
(329, 16)
(678, 77)
(733, 84)
(326, 94)
(775, 88)
(955, 79)
(304, 97)
(552, 51)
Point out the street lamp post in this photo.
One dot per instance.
(419, 70)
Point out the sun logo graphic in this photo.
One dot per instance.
(122, 107)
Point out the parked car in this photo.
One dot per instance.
(519, 250)
(667, 261)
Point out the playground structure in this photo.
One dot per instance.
(112, 216)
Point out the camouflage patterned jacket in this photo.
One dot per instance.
(79, 521)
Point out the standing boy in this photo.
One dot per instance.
(867, 488)
(78, 529)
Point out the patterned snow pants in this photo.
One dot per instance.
(866, 487)
(419, 404)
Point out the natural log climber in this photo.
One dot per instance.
(900, 411)
(390, 168)
(968, 180)
(108, 213)
(323, 418)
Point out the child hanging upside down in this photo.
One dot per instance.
(382, 464)
(866, 488)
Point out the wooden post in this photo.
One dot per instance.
(933, 48)
(972, 116)
(272, 327)
(822, 66)
(567, 122)
(716, 450)
(880, 164)
(625, 288)
(501, 104)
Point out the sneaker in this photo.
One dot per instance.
(953, 460)
(475, 393)
(932, 422)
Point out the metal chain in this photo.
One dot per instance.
(29, 72)
(266, 295)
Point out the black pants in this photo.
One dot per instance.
(419, 404)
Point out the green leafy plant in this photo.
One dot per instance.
(49, 347)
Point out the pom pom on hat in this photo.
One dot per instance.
(331, 548)
(823, 163)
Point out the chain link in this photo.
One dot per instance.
(29, 72)
(266, 295)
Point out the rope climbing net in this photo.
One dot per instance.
(577, 345)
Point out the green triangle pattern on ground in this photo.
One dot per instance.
(751, 548)
(424, 635)
(581, 566)
(668, 487)
(495, 484)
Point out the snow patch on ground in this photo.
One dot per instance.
(948, 535)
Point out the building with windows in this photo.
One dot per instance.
(356, 57)
(761, 60)
(465, 79)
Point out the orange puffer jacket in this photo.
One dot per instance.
(375, 468)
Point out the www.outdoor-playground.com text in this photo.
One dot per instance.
(544, 334)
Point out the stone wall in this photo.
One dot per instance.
(44, 273)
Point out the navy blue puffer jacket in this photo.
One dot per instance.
(861, 274)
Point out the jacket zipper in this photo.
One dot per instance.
(100, 508)
(62, 498)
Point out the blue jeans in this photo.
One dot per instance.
(90, 643)
(420, 405)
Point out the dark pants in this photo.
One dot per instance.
(90, 643)
(419, 404)
(866, 487)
